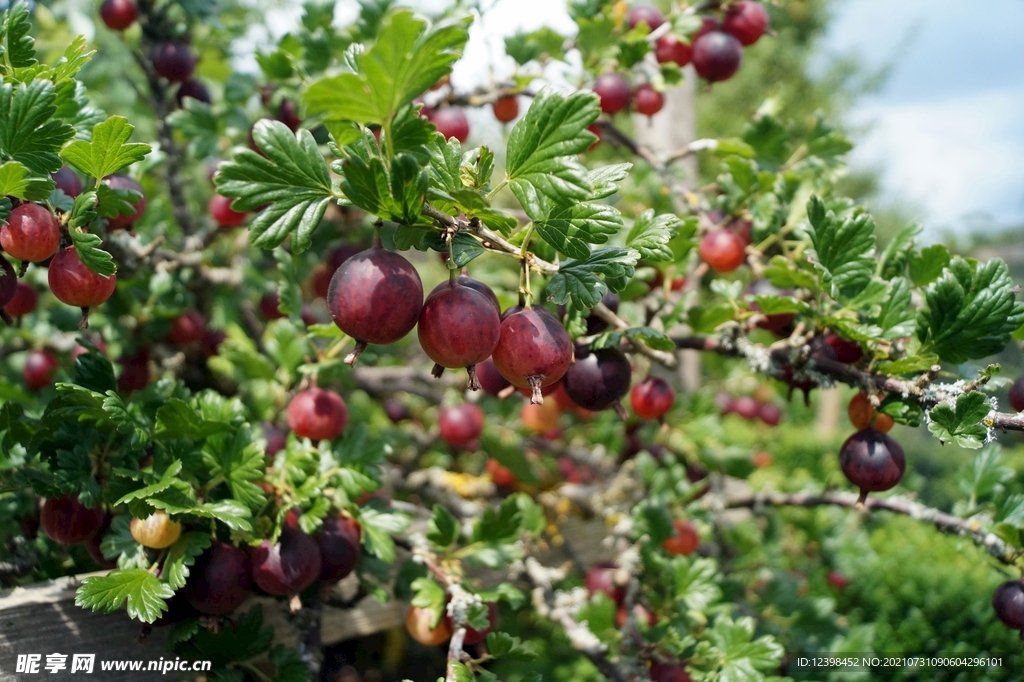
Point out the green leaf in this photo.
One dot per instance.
(292, 181)
(29, 133)
(94, 371)
(504, 645)
(525, 47)
(167, 479)
(108, 151)
(738, 655)
(577, 279)
(238, 638)
(843, 250)
(987, 472)
(15, 182)
(896, 318)
(239, 460)
(444, 528)
(928, 264)
(651, 234)
(429, 595)
(409, 183)
(499, 525)
(177, 419)
(655, 338)
(95, 258)
(605, 180)
(571, 228)
(542, 163)
(231, 513)
(971, 311)
(181, 555)
(16, 45)
(695, 584)
(289, 665)
(406, 59)
(144, 592)
(378, 527)
(961, 424)
(366, 185)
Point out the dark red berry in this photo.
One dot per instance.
(746, 21)
(68, 181)
(478, 636)
(317, 414)
(288, 566)
(68, 521)
(745, 407)
(220, 580)
(534, 350)
(375, 297)
(872, 461)
(467, 281)
(597, 379)
(40, 368)
(396, 411)
(451, 122)
(134, 372)
(506, 109)
(665, 672)
(1017, 395)
(780, 324)
(601, 578)
(647, 100)
(340, 549)
(770, 414)
(642, 614)
(845, 350)
(717, 56)
(186, 329)
(645, 14)
(118, 181)
(195, 89)
(276, 439)
(1008, 601)
(92, 546)
(212, 338)
(31, 234)
(24, 301)
(223, 214)
(652, 398)
(459, 327)
(723, 250)
(178, 609)
(174, 60)
(270, 306)
(461, 424)
(837, 580)
(614, 91)
(73, 283)
(288, 114)
(118, 14)
(672, 48)
(9, 285)
(490, 378)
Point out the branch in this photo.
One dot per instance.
(491, 240)
(897, 505)
(921, 389)
(659, 356)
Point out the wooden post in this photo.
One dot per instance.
(671, 129)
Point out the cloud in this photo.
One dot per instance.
(951, 156)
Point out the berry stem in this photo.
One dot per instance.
(351, 358)
(536, 384)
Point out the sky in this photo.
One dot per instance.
(945, 131)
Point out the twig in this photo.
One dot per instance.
(661, 357)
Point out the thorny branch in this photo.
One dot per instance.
(898, 505)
